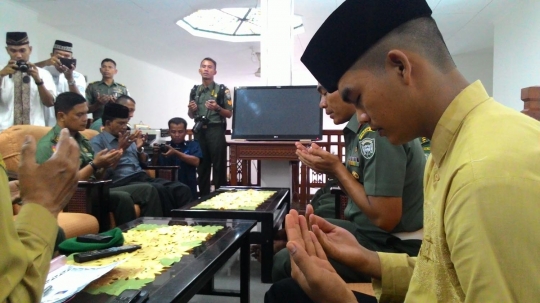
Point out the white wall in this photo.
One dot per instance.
(516, 53)
(477, 66)
(160, 94)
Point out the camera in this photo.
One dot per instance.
(68, 62)
(199, 122)
(22, 66)
(163, 148)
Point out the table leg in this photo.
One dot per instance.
(267, 249)
(244, 270)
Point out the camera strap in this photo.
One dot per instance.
(220, 99)
(21, 99)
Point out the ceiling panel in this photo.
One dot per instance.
(466, 24)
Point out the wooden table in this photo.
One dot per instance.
(271, 214)
(194, 274)
(268, 150)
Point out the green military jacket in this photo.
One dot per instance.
(390, 171)
(115, 89)
(204, 94)
(47, 146)
(323, 201)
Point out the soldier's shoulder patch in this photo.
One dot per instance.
(95, 82)
(120, 84)
(364, 132)
(367, 148)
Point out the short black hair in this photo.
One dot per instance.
(122, 99)
(209, 59)
(67, 101)
(178, 120)
(108, 60)
(420, 35)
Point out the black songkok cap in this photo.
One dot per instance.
(353, 28)
(63, 46)
(116, 110)
(16, 38)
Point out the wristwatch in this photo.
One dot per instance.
(71, 82)
(39, 83)
(94, 166)
(218, 109)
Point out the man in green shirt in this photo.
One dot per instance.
(99, 93)
(211, 103)
(384, 186)
(71, 109)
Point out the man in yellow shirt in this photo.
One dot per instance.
(481, 189)
(26, 245)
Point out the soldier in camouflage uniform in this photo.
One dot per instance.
(99, 93)
(212, 101)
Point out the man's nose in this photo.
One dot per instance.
(322, 103)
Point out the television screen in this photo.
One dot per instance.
(277, 113)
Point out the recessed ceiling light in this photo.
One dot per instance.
(230, 24)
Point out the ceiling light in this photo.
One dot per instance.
(230, 24)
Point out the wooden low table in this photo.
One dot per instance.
(194, 274)
(271, 215)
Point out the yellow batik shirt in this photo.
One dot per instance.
(26, 247)
(481, 210)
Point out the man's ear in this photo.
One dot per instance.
(399, 63)
(60, 116)
(29, 50)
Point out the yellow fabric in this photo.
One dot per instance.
(481, 210)
(26, 247)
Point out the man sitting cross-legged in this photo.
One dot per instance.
(71, 109)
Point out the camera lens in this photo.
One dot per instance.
(163, 148)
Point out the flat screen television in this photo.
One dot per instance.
(277, 113)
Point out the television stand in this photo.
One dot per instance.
(268, 150)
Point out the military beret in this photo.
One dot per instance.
(16, 38)
(63, 46)
(352, 29)
(116, 110)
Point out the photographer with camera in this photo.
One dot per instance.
(62, 66)
(210, 104)
(179, 152)
(23, 101)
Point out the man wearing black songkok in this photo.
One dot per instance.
(27, 92)
(129, 171)
(389, 58)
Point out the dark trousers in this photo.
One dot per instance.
(289, 291)
(281, 268)
(172, 194)
(214, 150)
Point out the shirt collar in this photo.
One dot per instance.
(352, 125)
(57, 129)
(452, 118)
(110, 138)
